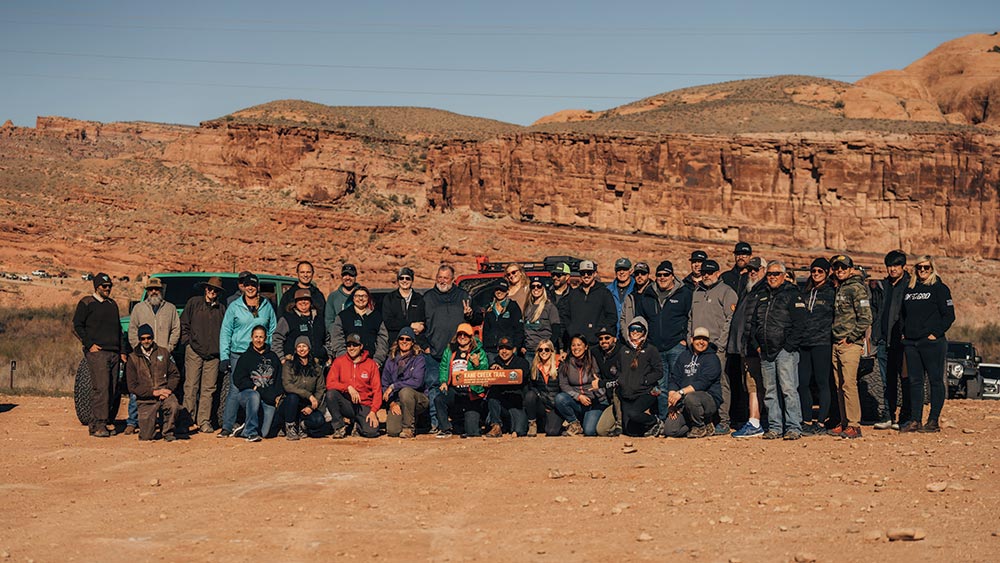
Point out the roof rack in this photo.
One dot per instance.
(484, 266)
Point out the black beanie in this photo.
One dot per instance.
(820, 263)
(895, 258)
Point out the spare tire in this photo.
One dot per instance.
(83, 391)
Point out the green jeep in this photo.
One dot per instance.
(179, 288)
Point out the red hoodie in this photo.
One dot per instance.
(363, 376)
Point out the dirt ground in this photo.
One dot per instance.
(67, 497)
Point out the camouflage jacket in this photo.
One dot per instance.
(852, 311)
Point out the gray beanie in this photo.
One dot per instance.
(303, 340)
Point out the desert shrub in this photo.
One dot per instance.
(986, 339)
(42, 342)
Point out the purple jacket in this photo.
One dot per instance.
(403, 371)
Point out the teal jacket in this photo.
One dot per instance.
(238, 324)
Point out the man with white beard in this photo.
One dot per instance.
(161, 316)
(153, 379)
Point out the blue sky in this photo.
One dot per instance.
(184, 61)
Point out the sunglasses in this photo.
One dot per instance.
(145, 338)
(838, 268)
(462, 334)
(405, 339)
(509, 274)
(924, 267)
(559, 275)
(536, 286)
(545, 349)
(105, 286)
(818, 271)
(605, 338)
(505, 347)
(405, 278)
(664, 274)
(775, 274)
(353, 345)
(586, 273)
(211, 290)
(636, 328)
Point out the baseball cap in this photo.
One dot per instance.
(302, 294)
(604, 330)
(666, 267)
(587, 266)
(505, 342)
(242, 277)
(353, 338)
(699, 256)
(843, 260)
(349, 270)
(709, 266)
(755, 263)
(641, 268)
(743, 248)
(404, 271)
(561, 268)
(623, 264)
(465, 328)
(701, 332)
(502, 285)
(251, 279)
(101, 279)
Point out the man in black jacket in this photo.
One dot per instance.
(96, 324)
(305, 272)
(201, 323)
(403, 307)
(775, 327)
(590, 306)
(887, 334)
(736, 278)
(607, 355)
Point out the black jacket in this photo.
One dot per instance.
(292, 325)
(639, 380)
(776, 322)
(818, 322)
(607, 363)
(887, 303)
(288, 299)
(927, 309)
(507, 323)
(588, 312)
(397, 314)
(262, 371)
(736, 280)
(201, 324)
(96, 322)
(668, 319)
(738, 333)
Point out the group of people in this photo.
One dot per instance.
(647, 354)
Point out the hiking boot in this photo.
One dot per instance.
(224, 433)
(895, 426)
(749, 430)
(882, 425)
(771, 435)
(851, 432)
(532, 428)
(574, 428)
(100, 432)
(793, 435)
(339, 433)
(495, 431)
(703, 431)
(836, 431)
(406, 433)
(291, 431)
(169, 438)
(931, 426)
(655, 430)
(206, 428)
(910, 426)
(129, 430)
(722, 429)
(615, 431)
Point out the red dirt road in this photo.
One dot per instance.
(68, 497)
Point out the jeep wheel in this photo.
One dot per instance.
(974, 388)
(223, 388)
(83, 391)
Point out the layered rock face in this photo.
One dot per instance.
(869, 193)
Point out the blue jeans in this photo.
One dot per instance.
(232, 408)
(668, 358)
(432, 369)
(250, 401)
(133, 411)
(783, 372)
(571, 410)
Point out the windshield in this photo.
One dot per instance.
(959, 350)
(989, 372)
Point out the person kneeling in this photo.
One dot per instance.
(153, 378)
(403, 385)
(257, 378)
(694, 392)
(464, 353)
(302, 377)
(354, 391)
(507, 400)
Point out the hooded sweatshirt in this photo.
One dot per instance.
(362, 374)
(640, 368)
(444, 313)
(701, 371)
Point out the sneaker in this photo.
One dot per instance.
(895, 426)
(532, 428)
(793, 435)
(574, 428)
(206, 428)
(882, 425)
(291, 431)
(442, 434)
(615, 431)
(129, 430)
(101, 432)
(851, 432)
(495, 431)
(836, 431)
(931, 426)
(169, 438)
(910, 426)
(253, 438)
(749, 430)
(703, 431)
(239, 429)
(406, 433)
(722, 429)
(770, 435)
(224, 433)
(339, 433)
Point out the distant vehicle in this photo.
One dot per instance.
(40, 274)
(87, 277)
(990, 374)
(962, 371)
(25, 277)
(481, 284)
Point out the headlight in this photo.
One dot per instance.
(956, 370)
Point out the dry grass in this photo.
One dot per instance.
(43, 344)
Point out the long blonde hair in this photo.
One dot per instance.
(536, 364)
(538, 305)
(932, 279)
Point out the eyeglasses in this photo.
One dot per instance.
(545, 349)
(405, 339)
(818, 271)
(924, 267)
(405, 278)
(775, 274)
